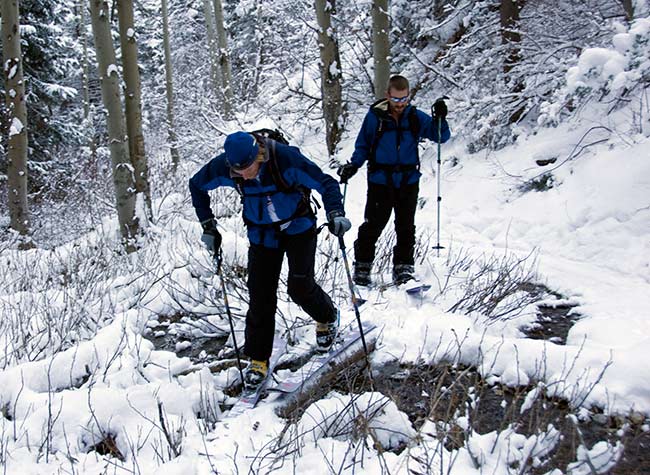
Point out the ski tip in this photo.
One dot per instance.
(418, 289)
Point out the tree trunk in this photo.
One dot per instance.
(84, 65)
(123, 179)
(629, 9)
(380, 46)
(330, 73)
(15, 99)
(510, 36)
(212, 46)
(88, 117)
(224, 61)
(259, 55)
(169, 88)
(132, 101)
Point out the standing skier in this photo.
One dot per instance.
(274, 181)
(388, 140)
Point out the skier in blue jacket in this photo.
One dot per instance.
(274, 181)
(388, 141)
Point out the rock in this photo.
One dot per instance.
(600, 419)
(542, 162)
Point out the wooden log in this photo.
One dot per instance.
(351, 361)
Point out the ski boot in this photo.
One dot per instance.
(362, 273)
(326, 334)
(255, 374)
(402, 273)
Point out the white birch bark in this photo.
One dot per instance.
(224, 61)
(123, 179)
(133, 101)
(212, 46)
(169, 88)
(15, 99)
(330, 73)
(380, 46)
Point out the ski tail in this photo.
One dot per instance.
(250, 398)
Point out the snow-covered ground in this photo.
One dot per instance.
(589, 234)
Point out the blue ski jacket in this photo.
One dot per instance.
(394, 159)
(270, 208)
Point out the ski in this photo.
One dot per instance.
(418, 289)
(301, 377)
(250, 398)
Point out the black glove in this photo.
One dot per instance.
(346, 172)
(211, 236)
(337, 223)
(439, 109)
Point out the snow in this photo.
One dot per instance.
(334, 69)
(12, 71)
(111, 69)
(601, 457)
(335, 417)
(27, 30)
(16, 127)
(588, 234)
(611, 67)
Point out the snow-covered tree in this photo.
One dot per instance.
(380, 46)
(223, 56)
(50, 67)
(330, 73)
(169, 86)
(123, 179)
(17, 112)
(132, 100)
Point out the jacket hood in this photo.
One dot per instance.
(380, 108)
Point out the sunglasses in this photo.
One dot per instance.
(399, 100)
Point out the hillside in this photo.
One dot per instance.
(528, 355)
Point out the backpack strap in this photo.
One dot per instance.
(279, 181)
(303, 208)
(414, 122)
(414, 127)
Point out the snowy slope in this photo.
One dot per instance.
(590, 233)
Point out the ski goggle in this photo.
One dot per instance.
(400, 100)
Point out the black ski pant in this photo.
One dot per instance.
(264, 266)
(381, 201)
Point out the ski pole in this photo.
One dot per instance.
(336, 261)
(218, 257)
(356, 307)
(438, 246)
(360, 300)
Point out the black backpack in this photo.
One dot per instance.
(273, 134)
(276, 174)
